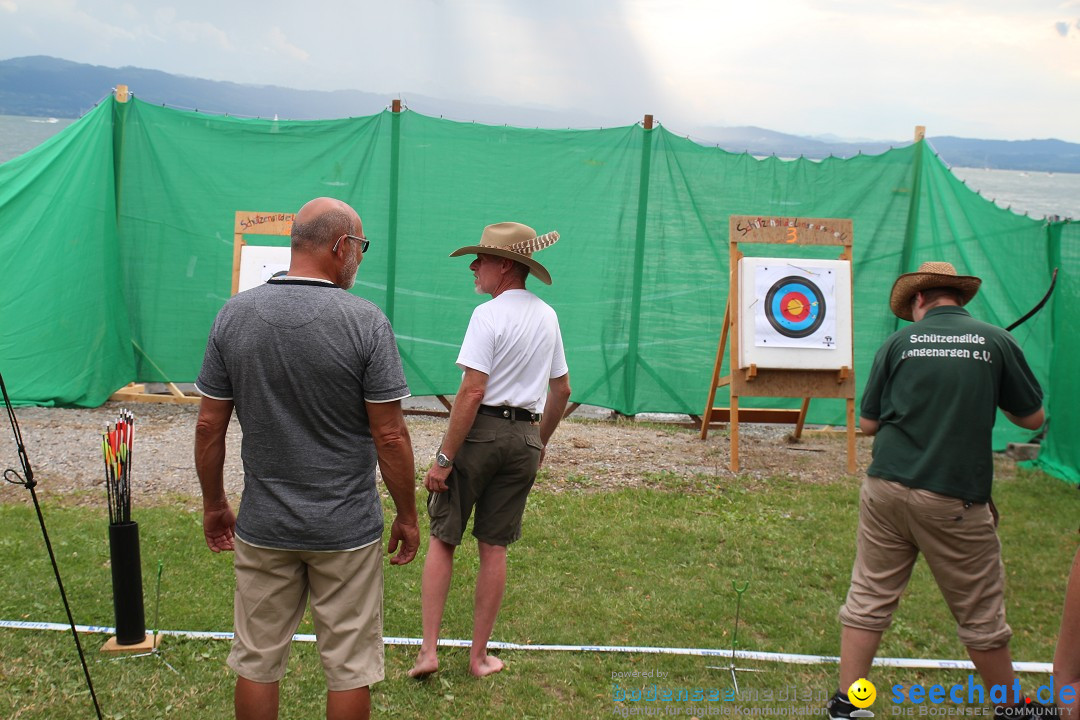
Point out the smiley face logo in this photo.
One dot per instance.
(862, 693)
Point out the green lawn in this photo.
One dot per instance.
(641, 568)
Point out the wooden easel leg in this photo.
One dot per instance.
(802, 418)
(851, 436)
(734, 433)
(706, 418)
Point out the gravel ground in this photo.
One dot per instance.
(589, 452)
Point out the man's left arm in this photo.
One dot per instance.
(1021, 397)
(210, 430)
(396, 462)
(1033, 421)
(557, 396)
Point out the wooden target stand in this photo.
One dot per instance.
(244, 223)
(254, 223)
(754, 381)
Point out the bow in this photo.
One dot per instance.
(1039, 306)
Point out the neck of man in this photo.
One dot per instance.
(508, 283)
(920, 311)
(303, 265)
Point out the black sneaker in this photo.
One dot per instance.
(839, 707)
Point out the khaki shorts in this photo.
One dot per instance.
(272, 589)
(493, 472)
(960, 545)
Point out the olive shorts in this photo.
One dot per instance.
(960, 545)
(493, 472)
(272, 590)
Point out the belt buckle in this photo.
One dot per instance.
(506, 412)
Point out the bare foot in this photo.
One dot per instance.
(488, 665)
(425, 665)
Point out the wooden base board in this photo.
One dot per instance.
(135, 393)
(149, 643)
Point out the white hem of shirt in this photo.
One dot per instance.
(354, 549)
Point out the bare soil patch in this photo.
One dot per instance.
(64, 448)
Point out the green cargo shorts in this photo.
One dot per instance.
(493, 472)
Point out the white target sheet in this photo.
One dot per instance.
(794, 306)
(795, 313)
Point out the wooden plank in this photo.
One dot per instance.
(776, 382)
(790, 230)
(757, 415)
(247, 222)
(132, 397)
(428, 413)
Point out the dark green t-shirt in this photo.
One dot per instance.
(935, 388)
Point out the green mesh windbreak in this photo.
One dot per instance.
(65, 338)
(118, 247)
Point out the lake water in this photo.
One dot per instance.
(1040, 194)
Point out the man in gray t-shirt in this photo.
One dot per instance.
(314, 375)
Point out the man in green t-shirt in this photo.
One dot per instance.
(931, 401)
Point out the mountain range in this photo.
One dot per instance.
(41, 86)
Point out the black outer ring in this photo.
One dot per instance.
(788, 332)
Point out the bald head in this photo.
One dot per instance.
(321, 222)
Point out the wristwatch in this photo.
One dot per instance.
(442, 461)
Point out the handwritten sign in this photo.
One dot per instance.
(791, 230)
(264, 223)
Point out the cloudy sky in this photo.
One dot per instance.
(1006, 69)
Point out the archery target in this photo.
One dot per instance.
(259, 262)
(794, 313)
(795, 306)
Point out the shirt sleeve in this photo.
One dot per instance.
(213, 380)
(1020, 393)
(870, 407)
(558, 357)
(478, 348)
(384, 377)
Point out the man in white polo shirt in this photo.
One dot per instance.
(513, 393)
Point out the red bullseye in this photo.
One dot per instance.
(794, 306)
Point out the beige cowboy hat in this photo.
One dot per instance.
(930, 275)
(515, 241)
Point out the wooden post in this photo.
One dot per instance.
(122, 93)
(630, 378)
(920, 132)
(392, 220)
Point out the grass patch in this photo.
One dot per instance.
(631, 567)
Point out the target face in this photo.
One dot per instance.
(795, 306)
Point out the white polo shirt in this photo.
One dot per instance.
(515, 339)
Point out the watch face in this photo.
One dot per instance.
(442, 460)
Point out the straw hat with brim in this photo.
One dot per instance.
(930, 275)
(515, 241)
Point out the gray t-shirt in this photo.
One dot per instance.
(299, 358)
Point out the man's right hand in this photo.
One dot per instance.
(435, 480)
(218, 525)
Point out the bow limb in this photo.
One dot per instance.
(1039, 306)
